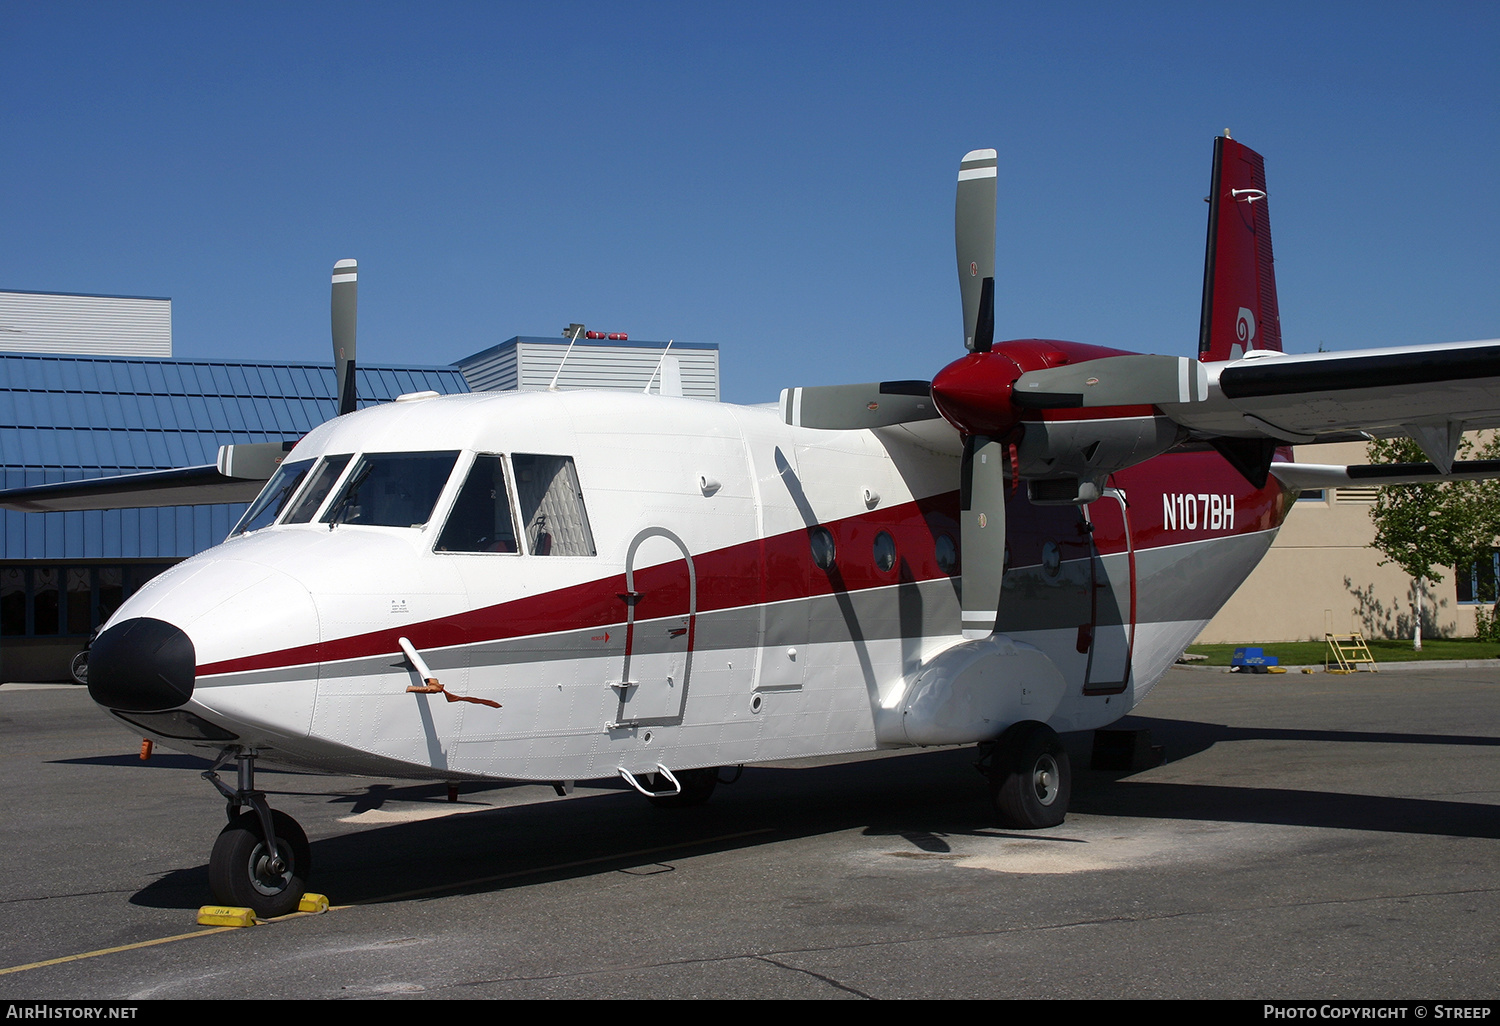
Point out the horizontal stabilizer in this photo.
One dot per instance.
(849, 407)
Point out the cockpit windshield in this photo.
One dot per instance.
(397, 489)
(273, 497)
(480, 519)
(317, 489)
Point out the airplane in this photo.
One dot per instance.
(556, 586)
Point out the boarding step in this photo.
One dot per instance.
(1348, 653)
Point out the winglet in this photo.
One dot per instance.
(1239, 275)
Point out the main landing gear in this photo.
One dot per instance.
(244, 870)
(1030, 777)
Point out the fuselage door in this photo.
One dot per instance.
(1113, 594)
(661, 614)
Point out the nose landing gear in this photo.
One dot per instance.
(245, 870)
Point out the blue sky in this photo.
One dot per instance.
(774, 178)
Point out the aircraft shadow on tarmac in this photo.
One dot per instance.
(158, 760)
(1186, 738)
(920, 800)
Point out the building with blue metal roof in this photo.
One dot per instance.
(88, 389)
(65, 418)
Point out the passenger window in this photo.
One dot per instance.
(273, 497)
(480, 520)
(946, 552)
(556, 523)
(394, 489)
(824, 552)
(317, 490)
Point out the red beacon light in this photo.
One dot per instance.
(618, 336)
(593, 334)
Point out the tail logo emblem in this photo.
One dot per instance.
(1244, 327)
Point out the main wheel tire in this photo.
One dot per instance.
(1031, 780)
(79, 668)
(240, 871)
(697, 786)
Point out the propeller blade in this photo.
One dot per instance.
(846, 407)
(344, 311)
(982, 533)
(974, 240)
(1113, 381)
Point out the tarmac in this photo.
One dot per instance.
(1309, 837)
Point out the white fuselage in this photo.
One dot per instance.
(703, 631)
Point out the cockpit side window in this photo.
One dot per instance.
(480, 520)
(273, 497)
(394, 489)
(556, 523)
(317, 489)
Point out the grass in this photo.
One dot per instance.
(1312, 653)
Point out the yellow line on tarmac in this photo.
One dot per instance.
(389, 897)
(122, 947)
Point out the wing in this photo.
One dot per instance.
(1076, 413)
(1431, 393)
(242, 469)
(238, 476)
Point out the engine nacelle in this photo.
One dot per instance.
(971, 692)
(1067, 462)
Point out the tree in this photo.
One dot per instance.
(1425, 529)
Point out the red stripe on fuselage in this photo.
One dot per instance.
(766, 570)
(780, 568)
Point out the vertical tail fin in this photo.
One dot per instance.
(1239, 275)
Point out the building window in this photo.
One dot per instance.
(1476, 580)
(13, 602)
(56, 601)
(1312, 495)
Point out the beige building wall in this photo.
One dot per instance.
(1321, 575)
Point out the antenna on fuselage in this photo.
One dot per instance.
(576, 331)
(658, 368)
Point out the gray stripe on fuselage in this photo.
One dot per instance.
(916, 610)
(1193, 580)
(1188, 581)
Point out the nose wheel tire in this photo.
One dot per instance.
(1031, 780)
(243, 873)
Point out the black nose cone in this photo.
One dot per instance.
(142, 665)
